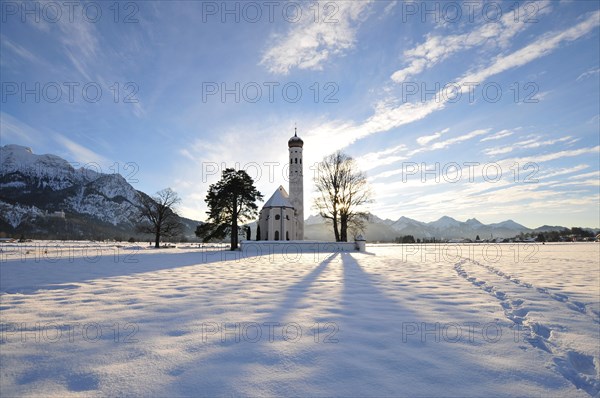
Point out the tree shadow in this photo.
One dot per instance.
(296, 292)
(375, 351)
(63, 271)
(243, 356)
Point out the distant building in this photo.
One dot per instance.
(56, 214)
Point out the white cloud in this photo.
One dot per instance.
(497, 136)
(587, 175)
(535, 50)
(308, 44)
(390, 7)
(527, 144)
(564, 171)
(14, 131)
(20, 51)
(424, 140)
(498, 151)
(80, 42)
(437, 48)
(375, 159)
(79, 152)
(556, 155)
(592, 183)
(389, 115)
(588, 73)
(416, 66)
(455, 140)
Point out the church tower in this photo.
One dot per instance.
(296, 196)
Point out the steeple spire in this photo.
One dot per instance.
(295, 140)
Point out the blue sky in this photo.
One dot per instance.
(486, 110)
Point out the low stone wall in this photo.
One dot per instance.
(295, 247)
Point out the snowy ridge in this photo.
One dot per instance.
(48, 171)
(444, 228)
(35, 184)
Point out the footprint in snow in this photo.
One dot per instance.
(582, 363)
(559, 297)
(541, 330)
(517, 302)
(521, 312)
(577, 306)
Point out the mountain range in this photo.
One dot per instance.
(445, 228)
(45, 196)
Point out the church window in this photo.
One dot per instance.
(296, 160)
(287, 235)
(287, 217)
(277, 216)
(300, 160)
(276, 235)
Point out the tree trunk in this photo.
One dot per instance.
(234, 225)
(344, 228)
(157, 227)
(336, 230)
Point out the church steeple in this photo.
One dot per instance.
(296, 181)
(295, 140)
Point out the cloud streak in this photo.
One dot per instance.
(309, 43)
(437, 48)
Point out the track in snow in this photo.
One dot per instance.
(577, 367)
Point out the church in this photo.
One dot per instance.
(282, 216)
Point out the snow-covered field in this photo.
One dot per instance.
(86, 319)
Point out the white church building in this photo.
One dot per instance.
(282, 216)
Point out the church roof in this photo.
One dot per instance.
(279, 199)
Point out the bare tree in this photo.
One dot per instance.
(343, 191)
(158, 216)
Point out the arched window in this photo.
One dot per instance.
(277, 216)
(300, 160)
(287, 235)
(296, 160)
(287, 217)
(276, 235)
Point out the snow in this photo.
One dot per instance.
(445, 222)
(416, 320)
(509, 224)
(15, 214)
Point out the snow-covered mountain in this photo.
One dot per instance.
(44, 195)
(444, 228)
